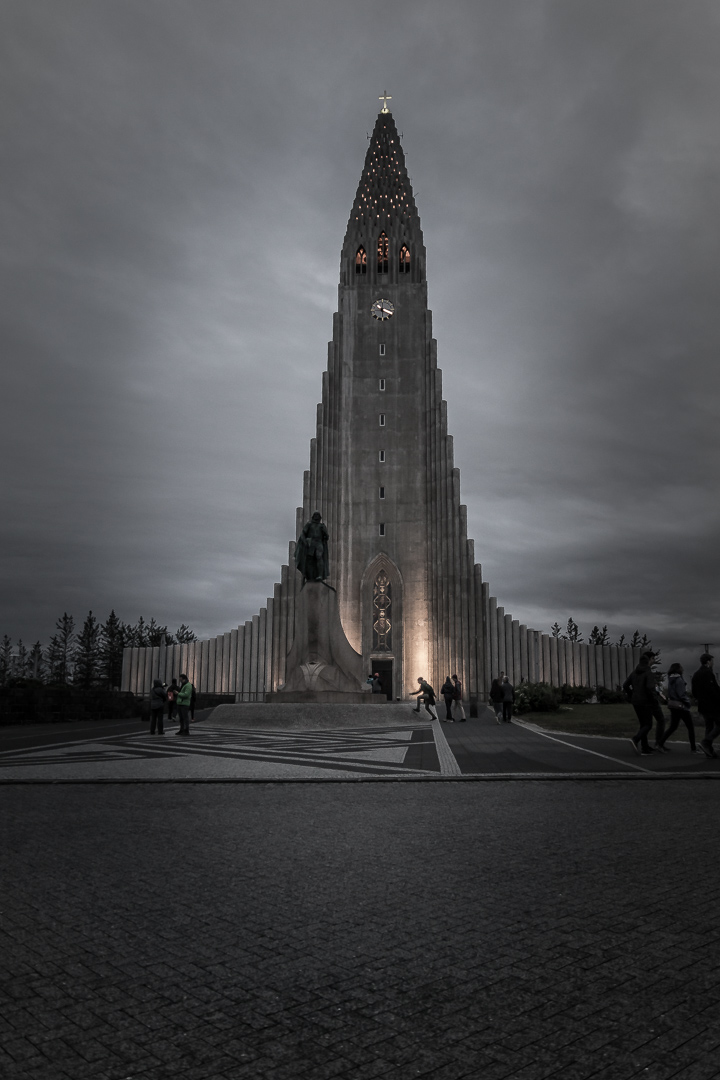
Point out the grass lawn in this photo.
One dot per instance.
(600, 720)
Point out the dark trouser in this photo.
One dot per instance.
(448, 706)
(659, 715)
(644, 714)
(497, 706)
(712, 727)
(184, 715)
(676, 715)
(507, 711)
(171, 710)
(156, 721)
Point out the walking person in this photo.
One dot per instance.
(158, 697)
(448, 692)
(679, 706)
(172, 692)
(508, 697)
(706, 692)
(457, 700)
(183, 705)
(425, 694)
(659, 715)
(641, 686)
(496, 696)
(193, 699)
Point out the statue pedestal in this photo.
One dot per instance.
(322, 665)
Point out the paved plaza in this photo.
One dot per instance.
(376, 925)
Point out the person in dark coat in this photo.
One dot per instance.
(376, 684)
(448, 692)
(641, 687)
(193, 700)
(496, 696)
(508, 696)
(457, 700)
(679, 706)
(158, 697)
(425, 694)
(706, 692)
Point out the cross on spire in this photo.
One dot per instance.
(385, 97)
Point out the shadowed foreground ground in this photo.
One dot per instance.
(518, 930)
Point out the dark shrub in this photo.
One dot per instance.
(536, 697)
(610, 697)
(575, 695)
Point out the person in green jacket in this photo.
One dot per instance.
(183, 703)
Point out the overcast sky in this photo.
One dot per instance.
(176, 181)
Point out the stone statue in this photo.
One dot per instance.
(311, 550)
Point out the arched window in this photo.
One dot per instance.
(361, 261)
(404, 260)
(382, 602)
(382, 254)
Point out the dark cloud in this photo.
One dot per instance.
(176, 184)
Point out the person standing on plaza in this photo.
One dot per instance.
(172, 692)
(496, 696)
(706, 692)
(457, 700)
(508, 696)
(448, 692)
(679, 706)
(193, 700)
(158, 697)
(641, 686)
(425, 694)
(183, 705)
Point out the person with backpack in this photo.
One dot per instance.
(158, 697)
(706, 692)
(425, 694)
(508, 697)
(679, 705)
(457, 700)
(641, 689)
(496, 696)
(183, 705)
(448, 692)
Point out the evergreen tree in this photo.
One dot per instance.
(114, 636)
(573, 631)
(36, 663)
(157, 635)
(86, 654)
(598, 636)
(184, 635)
(621, 642)
(5, 660)
(59, 651)
(555, 629)
(20, 661)
(139, 634)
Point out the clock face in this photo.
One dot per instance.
(382, 309)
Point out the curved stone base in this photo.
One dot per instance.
(328, 697)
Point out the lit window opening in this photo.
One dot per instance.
(381, 384)
(382, 350)
(381, 455)
(382, 419)
(404, 260)
(361, 261)
(382, 254)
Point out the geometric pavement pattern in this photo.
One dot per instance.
(361, 752)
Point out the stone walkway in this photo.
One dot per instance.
(296, 743)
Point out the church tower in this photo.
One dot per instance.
(411, 597)
(381, 470)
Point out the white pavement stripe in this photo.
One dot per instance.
(448, 764)
(595, 753)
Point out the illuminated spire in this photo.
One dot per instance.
(384, 196)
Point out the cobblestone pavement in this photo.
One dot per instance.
(504, 930)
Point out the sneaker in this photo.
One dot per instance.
(696, 750)
(635, 746)
(660, 749)
(647, 753)
(707, 750)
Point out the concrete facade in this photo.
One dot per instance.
(411, 597)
